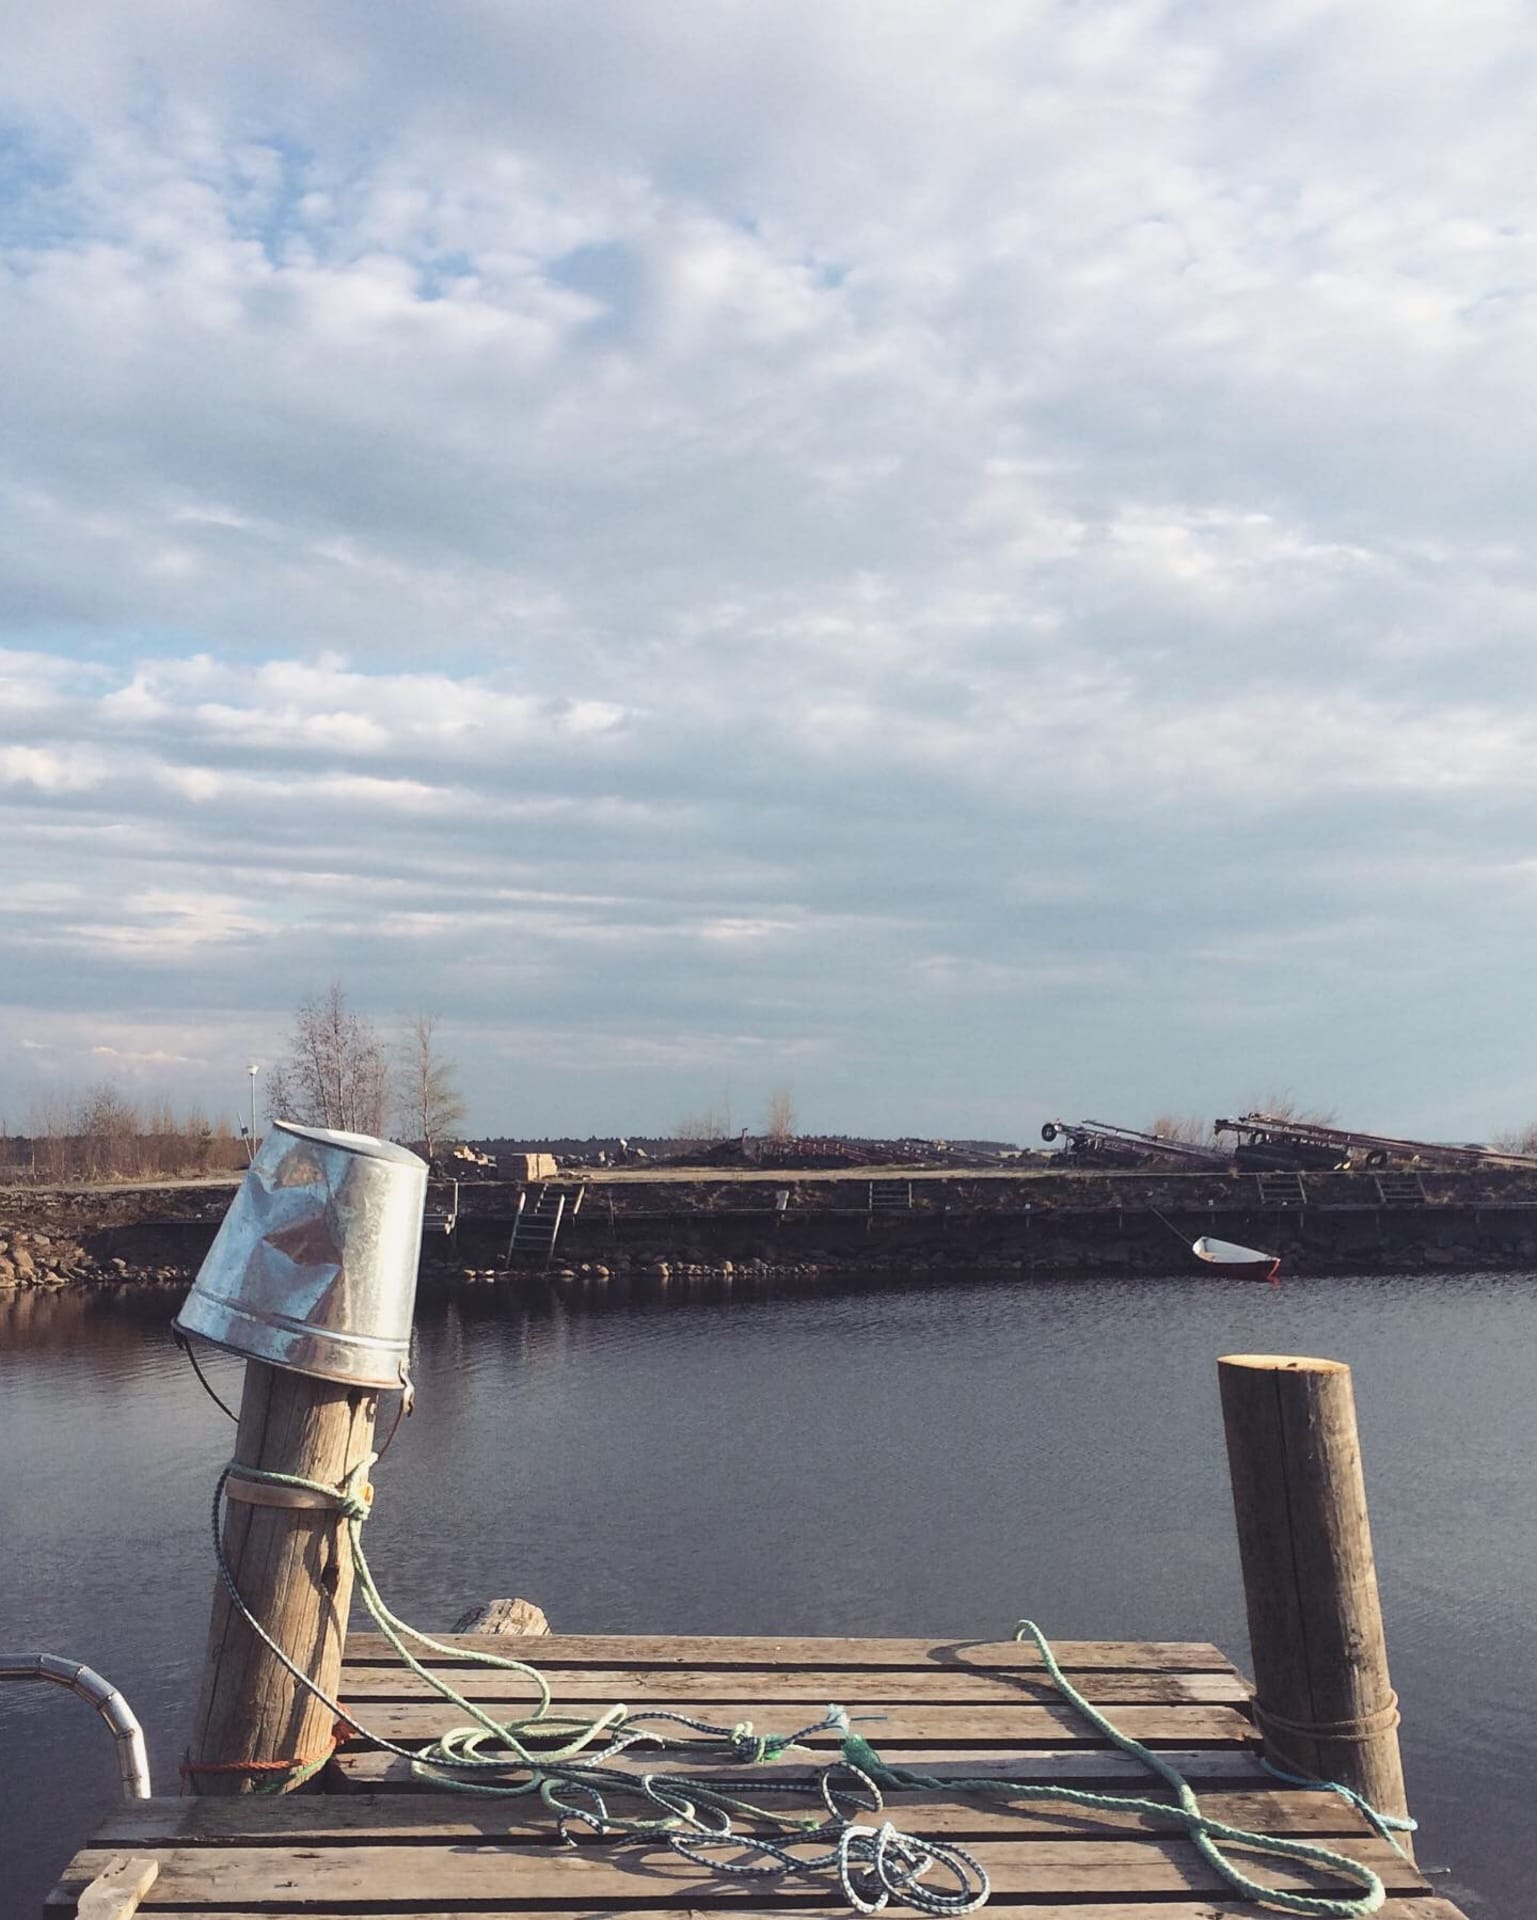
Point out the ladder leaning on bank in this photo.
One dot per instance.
(535, 1227)
(891, 1196)
(441, 1217)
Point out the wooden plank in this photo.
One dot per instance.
(1412, 1908)
(734, 1650)
(999, 1726)
(333, 1819)
(116, 1892)
(604, 1874)
(370, 1770)
(812, 1685)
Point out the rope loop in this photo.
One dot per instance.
(878, 1864)
(1357, 1732)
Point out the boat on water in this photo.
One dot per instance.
(1233, 1262)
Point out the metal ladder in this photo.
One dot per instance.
(1281, 1190)
(535, 1228)
(442, 1219)
(891, 1196)
(1400, 1189)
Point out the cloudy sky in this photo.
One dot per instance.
(973, 561)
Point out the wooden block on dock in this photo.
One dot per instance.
(118, 1888)
(503, 1617)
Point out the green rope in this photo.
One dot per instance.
(1186, 1814)
(563, 1760)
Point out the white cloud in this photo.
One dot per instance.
(740, 533)
(49, 770)
(166, 927)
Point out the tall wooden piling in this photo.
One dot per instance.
(1324, 1702)
(293, 1567)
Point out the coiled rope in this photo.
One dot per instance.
(562, 1759)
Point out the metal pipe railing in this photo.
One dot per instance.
(132, 1759)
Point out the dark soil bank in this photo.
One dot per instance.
(739, 1230)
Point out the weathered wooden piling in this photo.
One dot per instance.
(1323, 1699)
(290, 1558)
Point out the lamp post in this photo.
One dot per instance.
(253, 1070)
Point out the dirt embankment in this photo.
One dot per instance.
(52, 1237)
(821, 1225)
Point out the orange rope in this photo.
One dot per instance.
(338, 1733)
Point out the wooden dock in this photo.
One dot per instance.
(381, 1842)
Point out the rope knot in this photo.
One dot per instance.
(752, 1747)
(356, 1498)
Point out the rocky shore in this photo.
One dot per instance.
(35, 1259)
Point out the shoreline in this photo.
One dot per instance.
(706, 1228)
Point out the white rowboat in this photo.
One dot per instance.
(1234, 1262)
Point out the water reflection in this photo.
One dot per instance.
(929, 1458)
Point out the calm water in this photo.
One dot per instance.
(935, 1460)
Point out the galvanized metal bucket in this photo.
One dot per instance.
(314, 1267)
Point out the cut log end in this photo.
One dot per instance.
(1283, 1363)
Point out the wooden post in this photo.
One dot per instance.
(293, 1566)
(1324, 1702)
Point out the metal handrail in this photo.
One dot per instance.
(132, 1759)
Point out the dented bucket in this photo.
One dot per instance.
(314, 1267)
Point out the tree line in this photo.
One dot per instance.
(339, 1071)
(103, 1135)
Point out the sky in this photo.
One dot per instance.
(971, 563)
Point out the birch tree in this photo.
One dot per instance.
(335, 1073)
(427, 1102)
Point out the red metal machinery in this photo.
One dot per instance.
(1273, 1140)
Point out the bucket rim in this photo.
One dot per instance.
(365, 1145)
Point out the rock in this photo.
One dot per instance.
(24, 1265)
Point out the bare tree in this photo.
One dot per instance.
(109, 1130)
(708, 1127)
(48, 1124)
(779, 1121)
(1188, 1128)
(1284, 1106)
(427, 1102)
(335, 1073)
